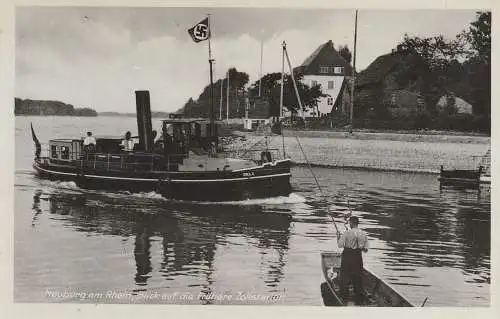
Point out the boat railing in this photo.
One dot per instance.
(257, 155)
(138, 161)
(133, 161)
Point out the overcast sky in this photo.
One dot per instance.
(97, 57)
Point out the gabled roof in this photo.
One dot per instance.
(325, 55)
(379, 68)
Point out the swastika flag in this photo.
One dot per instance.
(200, 32)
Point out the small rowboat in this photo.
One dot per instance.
(377, 292)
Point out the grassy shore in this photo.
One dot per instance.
(377, 150)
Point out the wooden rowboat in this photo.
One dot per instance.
(377, 292)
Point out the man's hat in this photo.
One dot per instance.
(354, 220)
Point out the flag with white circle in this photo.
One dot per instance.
(201, 31)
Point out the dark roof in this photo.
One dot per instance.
(325, 55)
(379, 68)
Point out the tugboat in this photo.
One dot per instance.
(185, 163)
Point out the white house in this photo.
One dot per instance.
(461, 106)
(326, 66)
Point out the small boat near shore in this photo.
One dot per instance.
(470, 178)
(377, 292)
(463, 177)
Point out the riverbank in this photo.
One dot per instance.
(376, 151)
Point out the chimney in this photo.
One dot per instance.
(144, 126)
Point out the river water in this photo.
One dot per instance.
(76, 245)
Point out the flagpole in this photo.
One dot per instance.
(282, 77)
(212, 107)
(227, 98)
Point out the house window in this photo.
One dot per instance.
(324, 69)
(338, 70)
(331, 85)
(314, 83)
(53, 151)
(330, 101)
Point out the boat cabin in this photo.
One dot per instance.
(65, 149)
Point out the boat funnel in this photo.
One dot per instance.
(144, 126)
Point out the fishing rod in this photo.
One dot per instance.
(285, 51)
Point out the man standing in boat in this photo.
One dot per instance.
(89, 145)
(128, 143)
(354, 241)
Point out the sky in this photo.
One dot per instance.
(97, 57)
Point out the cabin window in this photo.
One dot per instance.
(338, 70)
(64, 152)
(331, 85)
(314, 83)
(330, 101)
(53, 151)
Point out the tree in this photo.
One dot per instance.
(345, 53)
(479, 37)
(271, 90)
(202, 106)
(436, 51)
(438, 58)
(478, 65)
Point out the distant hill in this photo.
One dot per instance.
(115, 114)
(48, 108)
(153, 114)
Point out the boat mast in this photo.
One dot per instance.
(281, 93)
(353, 71)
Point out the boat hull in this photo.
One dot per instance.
(377, 292)
(263, 181)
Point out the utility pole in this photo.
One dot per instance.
(220, 102)
(353, 71)
(260, 72)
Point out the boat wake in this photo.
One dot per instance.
(60, 185)
(293, 198)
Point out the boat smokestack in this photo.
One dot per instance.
(144, 126)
